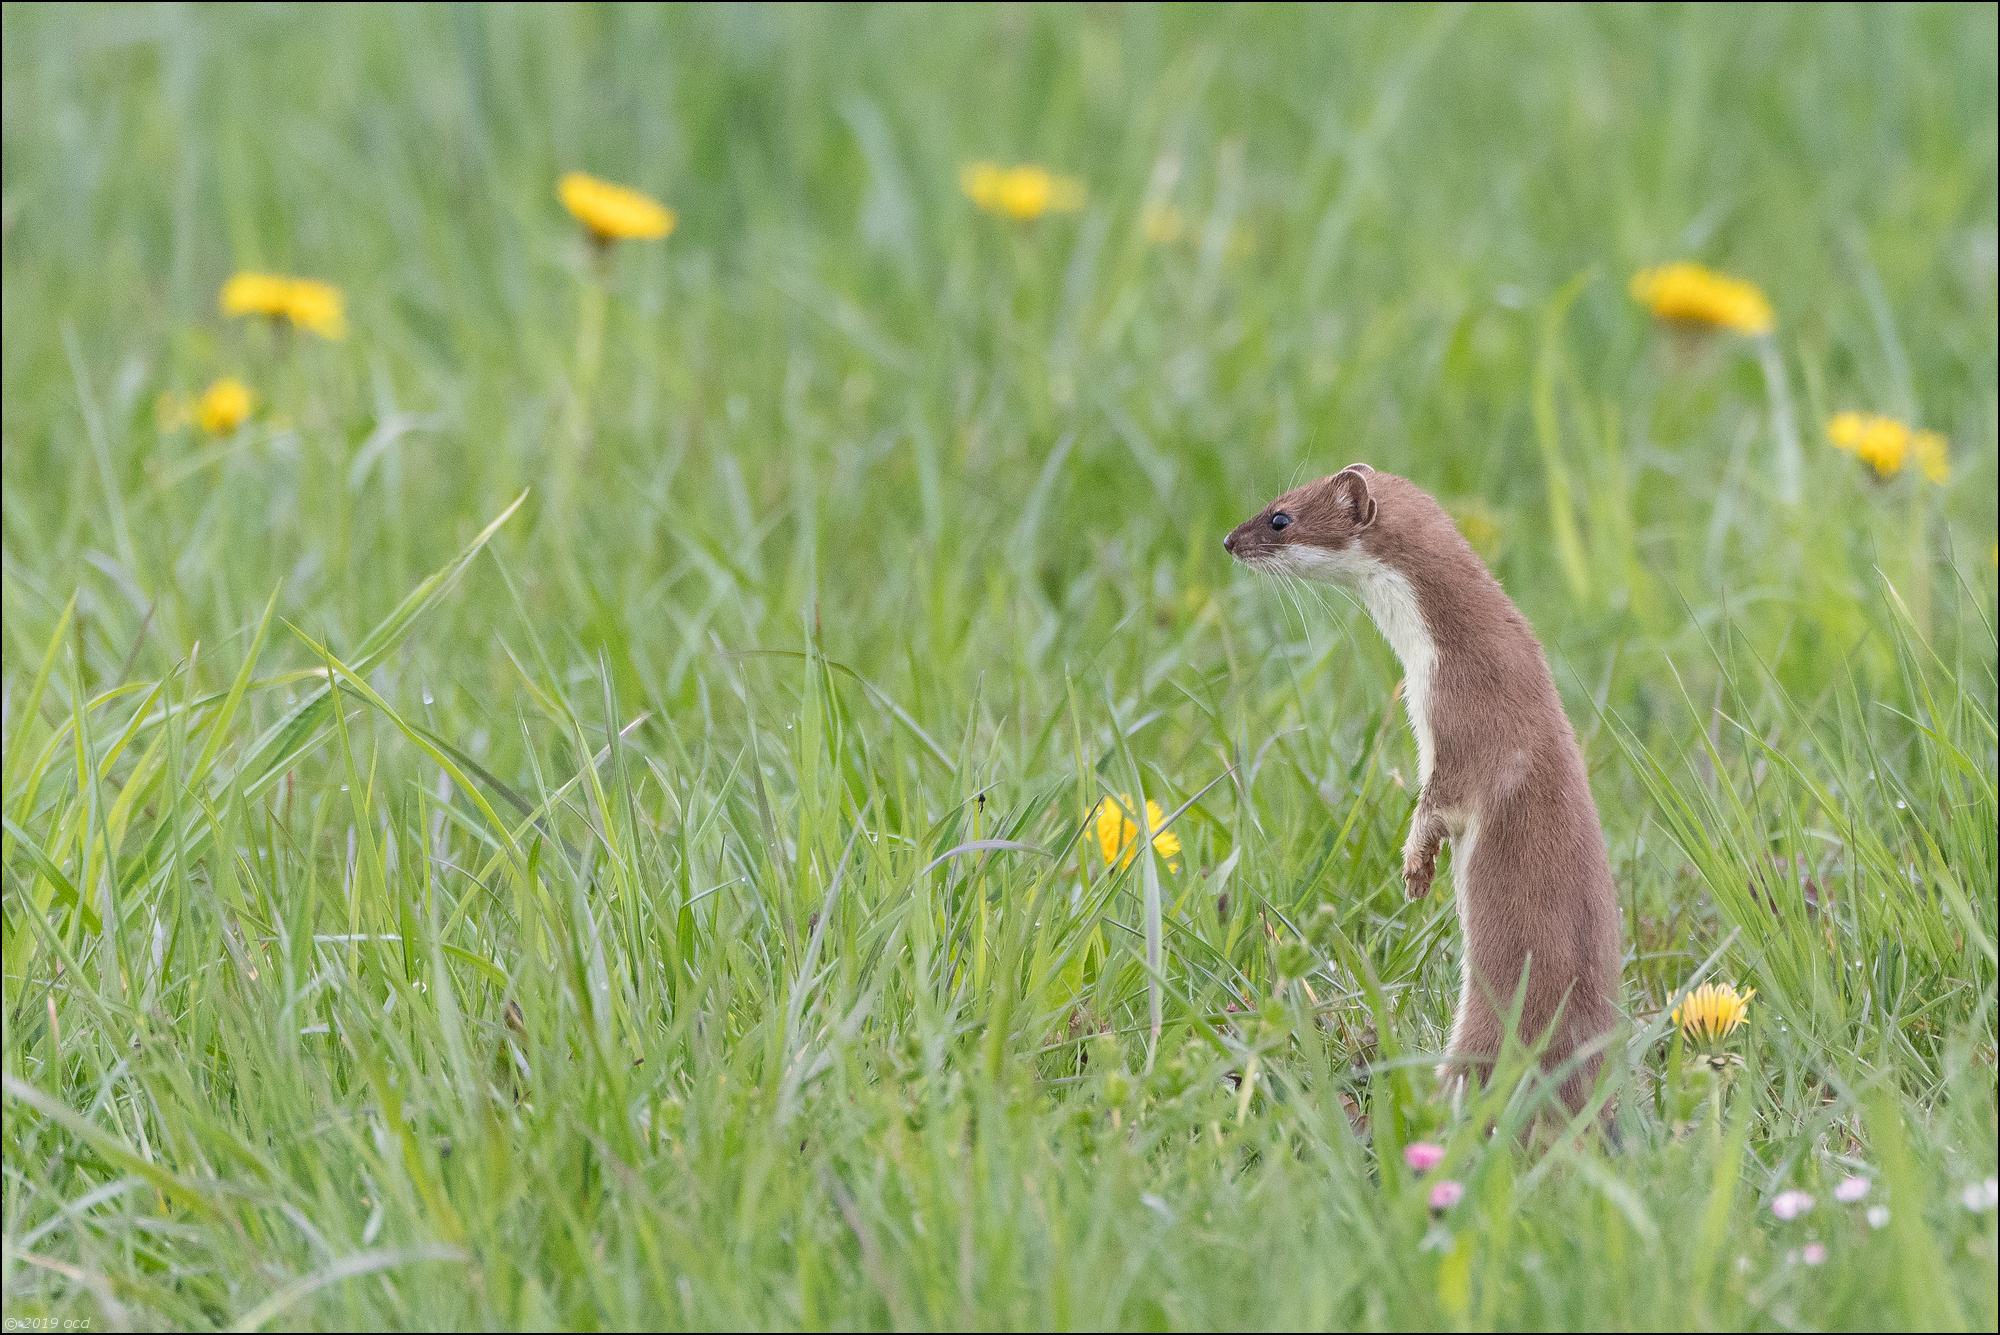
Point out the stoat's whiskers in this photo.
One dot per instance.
(1289, 588)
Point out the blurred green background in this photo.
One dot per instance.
(882, 524)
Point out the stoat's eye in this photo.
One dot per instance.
(1281, 520)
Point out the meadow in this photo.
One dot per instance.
(575, 798)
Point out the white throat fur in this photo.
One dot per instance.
(1392, 604)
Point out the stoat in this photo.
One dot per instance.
(1502, 776)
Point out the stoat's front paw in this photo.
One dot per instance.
(1418, 873)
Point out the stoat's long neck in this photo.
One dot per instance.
(1393, 603)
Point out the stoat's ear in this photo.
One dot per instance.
(1350, 492)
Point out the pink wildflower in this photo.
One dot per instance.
(1446, 1194)
(1789, 1205)
(1422, 1156)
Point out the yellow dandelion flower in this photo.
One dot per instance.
(256, 294)
(1882, 443)
(1889, 446)
(1118, 833)
(224, 406)
(614, 212)
(318, 307)
(1712, 1012)
(307, 303)
(1689, 294)
(1022, 193)
(1845, 430)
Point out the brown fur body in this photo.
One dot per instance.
(1503, 779)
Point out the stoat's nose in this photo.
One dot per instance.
(1229, 543)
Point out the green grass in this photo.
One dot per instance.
(423, 909)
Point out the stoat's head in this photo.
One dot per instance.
(1314, 531)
